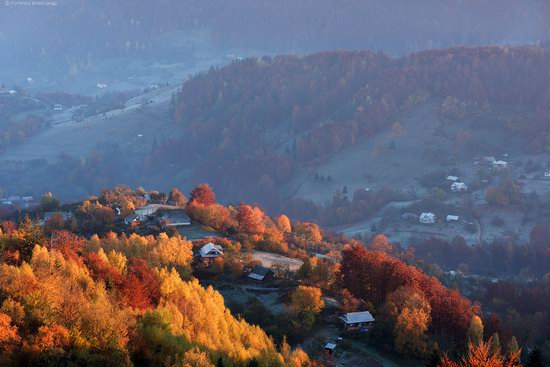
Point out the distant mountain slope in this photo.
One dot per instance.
(91, 28)
(252, 127)
(252, 124)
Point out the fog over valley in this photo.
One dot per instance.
(292, 183)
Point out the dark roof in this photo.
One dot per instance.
(261, 270)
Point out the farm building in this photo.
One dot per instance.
(151, 209)
(357, 319)
(459, 187)
(132, 220)
(260, 273)
(329, 347)
(427, 218)
(452, 218)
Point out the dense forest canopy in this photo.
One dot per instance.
(255, 121)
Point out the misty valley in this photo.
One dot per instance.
(288, 183)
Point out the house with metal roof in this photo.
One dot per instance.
(452, 218)
(357, 319)
(210, 251)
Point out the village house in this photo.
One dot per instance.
(452, 178)
(133, 220)
(427, 218)
(452, 218)
(260, 273)
(459, 187)
(150, 209)
(357, 320)
(210, 251)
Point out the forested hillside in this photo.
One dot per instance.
(254, 122)
(115, 301)
(129, 299)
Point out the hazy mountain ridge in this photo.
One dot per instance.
(397, 27)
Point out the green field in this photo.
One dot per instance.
(197, 231)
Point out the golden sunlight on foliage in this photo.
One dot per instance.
(201, 316)
(307, 299)
(483, 355)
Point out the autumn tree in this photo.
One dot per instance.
(49, 203)
(194, 358)
(249, 220)
(513, 346)
(409, 313)
(348, 303)
(482, 355)
(69, 244)
(9, 336)
(203, 194)
(30, 234)
(307, 300)
(475, 330)
(177, 196)
(141, 287)
(310, 232)
(381, 243)
(284, 223)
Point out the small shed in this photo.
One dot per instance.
(329, 347)
(452, 178)
(452, 218)
(260, 273)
